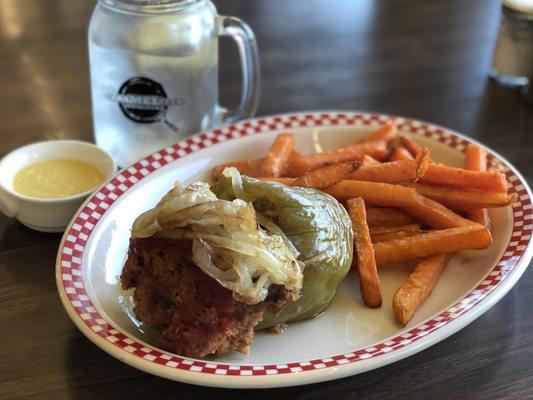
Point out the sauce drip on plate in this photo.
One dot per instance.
(49, 179)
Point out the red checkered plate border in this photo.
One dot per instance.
(148, 358)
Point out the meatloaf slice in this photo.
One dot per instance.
(195, 315)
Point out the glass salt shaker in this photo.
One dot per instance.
(154, 73)
(513, 53)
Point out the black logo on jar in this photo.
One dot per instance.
(145, 101)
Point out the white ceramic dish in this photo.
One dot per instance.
(48, 215)
(348, 338)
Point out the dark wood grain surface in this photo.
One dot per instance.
(418, 58)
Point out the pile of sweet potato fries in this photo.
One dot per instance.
(403, 205)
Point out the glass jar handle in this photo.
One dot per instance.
(247, 46)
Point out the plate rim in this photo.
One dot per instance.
(290, 376)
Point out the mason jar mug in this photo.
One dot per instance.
(154, 73)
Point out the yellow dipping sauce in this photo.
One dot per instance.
(50, 179)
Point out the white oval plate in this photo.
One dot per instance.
(348, 338)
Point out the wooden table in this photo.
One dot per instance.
(423, 59)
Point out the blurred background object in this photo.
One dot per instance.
(512, 62)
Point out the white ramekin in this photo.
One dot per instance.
(48, 215)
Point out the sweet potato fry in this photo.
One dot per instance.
(388, 172)
(460, 199)
(422, 162)
(413, 148)
(350, 153)
(325, 177)
(376, 230)
(364, 254)
(418, 286)
(435, 214)
(386, 132)
(473, 236)
(400, 153)
(248, 167)
(384, 237)
(278, 155)
(379, 194)
(485, 181)
(476, 160)
(294, 154)
(480, 216)
(380, 216)
(368, 160)
(286, 181)
(245, 167)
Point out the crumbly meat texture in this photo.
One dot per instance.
(195, 315)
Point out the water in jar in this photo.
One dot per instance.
(154, 78)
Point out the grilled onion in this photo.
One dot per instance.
(244, 251)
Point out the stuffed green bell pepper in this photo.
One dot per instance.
(318, 227)
(208, 265)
